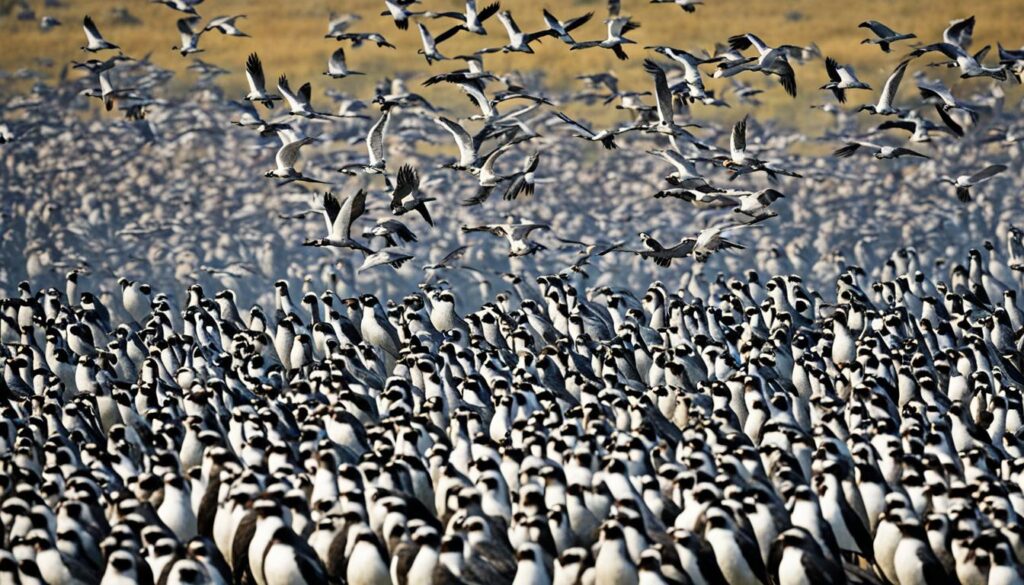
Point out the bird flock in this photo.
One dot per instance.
(498, 343)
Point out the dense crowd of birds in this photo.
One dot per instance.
(827, 391)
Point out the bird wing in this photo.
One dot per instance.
(900, 151)
(892, 85)
(467, 153)
(332, 209)
(293, 100)
(407, 182)
(987, 173)
(959, 33)
(949, 121)
(488, 11)
(454, 255)
(254, 73)
(91, 32)
(289, 153)
(353, 207)
(738, 139)
(577, 22)
(833, 69)
(950, 50)
(337, 62)
(495, 230)
(578, 126)
(523, 230)
(664, 96)
(787, 77)
(428, 41)
(375, 139)
(185, 30)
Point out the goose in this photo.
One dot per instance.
(756, 203)
(471, 21)
(429, 50)
(186, 6)
(406, 195)
(968, 64)
(686, 174)
(96, 42)
(358, 39)
(561, 30)
(920, 127)
(48, 23)
(339, 217)
(298, 102)
(518, 42)
(885, 106)
(225, 25)
(841, 79)
(886, 36)
(250, 118)
(189, 37)
(963, 183)
(375, 149)
(666, 112)
(257, 83)
(689, 6)
(692, 76)
(517, 235)
(467, 145)
(97, 66)
(700, 199)
(618, 27)
(286, 158)
(393, 232)
(937, 93)
(448, 261)
(878, 151)
(661, 255)
(396, 9)
(336, 66)
(384, 257)
(339, 23)
(524, 180)
(605, 137)
(771, 61)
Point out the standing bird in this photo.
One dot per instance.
(963, 183)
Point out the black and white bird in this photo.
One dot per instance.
(885, 105)
(336, 66)
(963, 183)
(225, 25)
(885, 35)
(257, 82)
(340, 215)
(406, 196)
(841, 78)
(95, 41)
(517, 235)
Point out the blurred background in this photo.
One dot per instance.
(289, 36)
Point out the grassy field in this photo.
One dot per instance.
(289, 38)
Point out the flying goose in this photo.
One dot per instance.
(257, 83)
(692, 76)
(841, 78)
(885, 107)
(518, 42)
(878, 151)
(561, 30)
(339, 217)
(406, 195)
(376, 165)
(960, 32)
(449, 259)
(250, 118)
(429, 50)
(397, 10)
(517, 235)
(189, 37)
(384, 257)
(339, 23)
(225, 25)
(97, 66)
(336, 66)
(661, 255)
(687, 5)
(467, 144)
(756, 203)
(47, 23)
(937, 93)
(968, 64)
(686, 174)
(618, 27)
(186, 6)
(605, 137)
(886, 36)
(523, 181)
(286, 158)
(920, 127)
(771, 61)
(392, 230)
(666, 112)
(96, 42)
(472, 21)
(298, 102)
(700, 199)
(358, 39)
(963, 183)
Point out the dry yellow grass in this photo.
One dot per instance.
(289, 38)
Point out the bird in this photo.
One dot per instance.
(257, 83)
(562, 29)
(471, 21)
(340, 215)
(406, 196)
(377, 164)
(299, 102)
(517, 235)
(398, 11)
(336, 66)
(389, 257)
(689, 6)
(885, 35)
(189, 37)
(618, 27)
(225, 25)
(286, 158)
(771, 61)
(963, 183)
(885, 106)
(518, 41)
(878, 151)
(95, 41)
(429, 50)
(841, 79)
